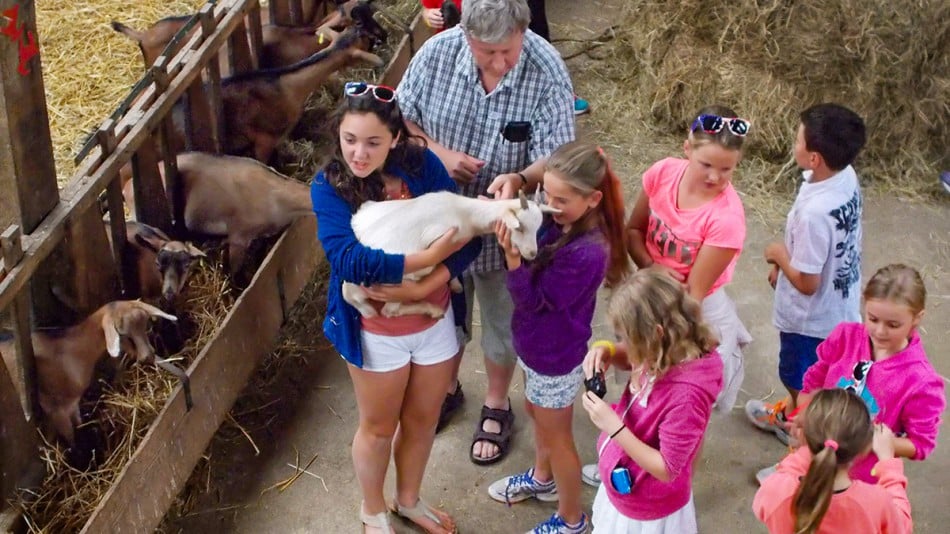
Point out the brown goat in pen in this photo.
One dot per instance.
(260, 108)
(161, 265)
(282, 45)
(240, 199)
(66, 357)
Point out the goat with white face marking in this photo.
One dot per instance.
(162, 265)
(66, 357)
(411, 225)
(240, 199)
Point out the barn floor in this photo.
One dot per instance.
(321, 416)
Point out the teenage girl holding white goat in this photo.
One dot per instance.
(400, 366)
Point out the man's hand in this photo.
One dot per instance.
(462, 167)
(433, 18)
(505, 185)
(773, 275)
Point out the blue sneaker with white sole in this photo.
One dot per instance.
(557, 525)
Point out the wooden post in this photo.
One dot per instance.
(254, 28)
(27, 172)
(17, 435)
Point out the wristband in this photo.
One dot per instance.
(619, 430)
(609, 345)
(524, 179)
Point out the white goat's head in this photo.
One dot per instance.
(524, 221)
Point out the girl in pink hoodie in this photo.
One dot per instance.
(651, 436)
(883, 362)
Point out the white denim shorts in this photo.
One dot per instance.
(434, 345)
(552, 391)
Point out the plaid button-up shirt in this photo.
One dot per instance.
(442, 94)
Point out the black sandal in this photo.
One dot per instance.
(451, 404)
(505, 418)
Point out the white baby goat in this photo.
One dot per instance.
(411, 225)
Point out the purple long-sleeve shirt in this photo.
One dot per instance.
(554, 306)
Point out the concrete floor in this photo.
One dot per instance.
(320, 416)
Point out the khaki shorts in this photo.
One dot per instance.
(495, 309)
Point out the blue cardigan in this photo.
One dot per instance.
(353, 262)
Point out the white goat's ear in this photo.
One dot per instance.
(155, 312)
(548, 209)
(113, 341)
(511, 221)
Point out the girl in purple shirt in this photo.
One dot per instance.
(554, 297)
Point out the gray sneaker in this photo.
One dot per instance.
(590, 475)
(522, 486)
(768, 417)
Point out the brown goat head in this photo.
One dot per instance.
(125, 325)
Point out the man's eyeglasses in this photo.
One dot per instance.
(383, 93)
(713, 124)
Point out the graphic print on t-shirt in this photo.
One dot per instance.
(847, 219)
(669, 245)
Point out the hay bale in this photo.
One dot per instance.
(87, 67)
(770, 60)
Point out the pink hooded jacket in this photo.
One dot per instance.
(673, 421)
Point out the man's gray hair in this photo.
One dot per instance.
(493, 21)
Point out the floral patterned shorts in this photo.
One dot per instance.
(552, 391)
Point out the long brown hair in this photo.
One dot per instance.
(838, 429)
(586, 169)
(660, 322)
(407, 155)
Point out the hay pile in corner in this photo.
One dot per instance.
(88, 68)
(770, 60)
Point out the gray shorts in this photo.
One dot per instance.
(495, 308)
(552, 391)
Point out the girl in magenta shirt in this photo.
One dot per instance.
(652, 435)
(884, 362)
(688, 222)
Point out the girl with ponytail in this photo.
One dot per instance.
(812, 492)
(554, 297)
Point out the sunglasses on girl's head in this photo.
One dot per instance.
(713, 124)
(383, 93)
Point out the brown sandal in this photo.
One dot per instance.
(502, 439)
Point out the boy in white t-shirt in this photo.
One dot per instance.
(816, 271)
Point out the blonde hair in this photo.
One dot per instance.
(585, 168)
(660, 322)
(898, 283)
(839, 416)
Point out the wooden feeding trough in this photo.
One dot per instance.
(56, 246)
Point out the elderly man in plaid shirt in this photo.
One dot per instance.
(492, 99)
